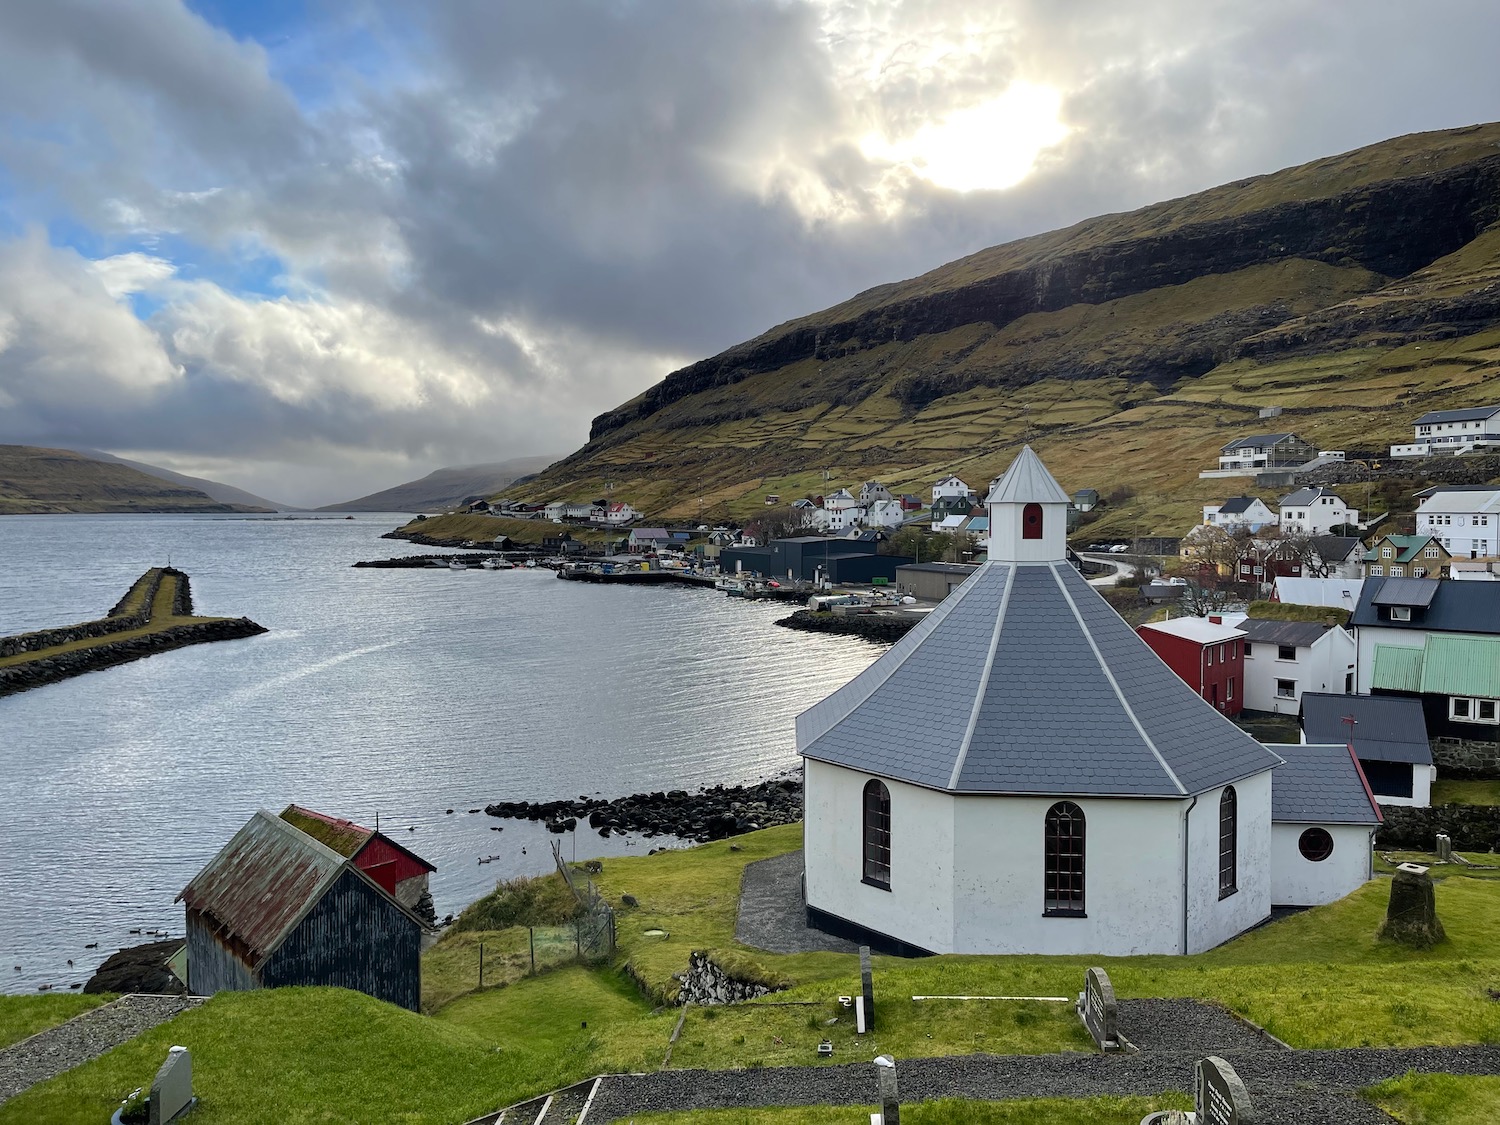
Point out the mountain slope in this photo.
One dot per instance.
(1128, 348)
(215, 490)
(444, 488)
(34, 480)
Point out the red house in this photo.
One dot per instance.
(1207, 654)
(400, 873)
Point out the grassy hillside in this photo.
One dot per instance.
(1354, 292)
(34, 480)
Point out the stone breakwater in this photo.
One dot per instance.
(144, 591)
(881, 627)
(64, 665)
(710, 814)
(418, 562)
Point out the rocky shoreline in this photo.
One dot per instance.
(881, 627)
(710, 814)
(418, 562)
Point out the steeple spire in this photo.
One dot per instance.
(1028, 513)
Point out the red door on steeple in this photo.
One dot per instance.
(1031, 521)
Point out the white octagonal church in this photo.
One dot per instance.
(1021, 774)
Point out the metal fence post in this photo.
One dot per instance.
(531, 930)
(481, 964)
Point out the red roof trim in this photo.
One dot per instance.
(1369, 793)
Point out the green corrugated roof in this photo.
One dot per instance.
(1397, 669)
(1459, 666)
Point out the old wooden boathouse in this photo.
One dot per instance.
(276, 907)
(399, 870)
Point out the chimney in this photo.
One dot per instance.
(1215, 619)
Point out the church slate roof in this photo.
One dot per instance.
(1321, 785)
(1024, 680)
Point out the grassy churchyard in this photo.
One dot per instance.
(1317, 979)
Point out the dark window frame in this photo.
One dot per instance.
(875, 835)
(1229, 842)
(1315, 844)
(1065, 838)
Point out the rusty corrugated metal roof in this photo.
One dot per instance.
(262, 882)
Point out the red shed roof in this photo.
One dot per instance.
(351, 840)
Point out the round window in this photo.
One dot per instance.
(1315, 844)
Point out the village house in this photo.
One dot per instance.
(885, 513)
(1336, 556)
(949, 487)
(873, 490)
(949, 506)
(1315, 511)
(1406, 556)
(1284, 659)
(401, 873)
(1086, 499)
(1248, 512)
(1434, 641)
(1208, 655)
(276, 908)
(1342, 593)
(1262, 561)
(1389, 736)
(618, 512)
(1465, 520)
(1453, 432)
(1266, 451)
(646, 539)
(840, 501)
(910, 503)
(1021, 774)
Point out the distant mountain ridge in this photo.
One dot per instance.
(223, 493)
(444, 488)
(1352, 293)
(41, 481)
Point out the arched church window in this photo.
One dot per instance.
(1031, 521)
(1229, 824)
(1064, 861)
(877, 835)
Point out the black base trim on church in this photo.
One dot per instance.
(853, 931)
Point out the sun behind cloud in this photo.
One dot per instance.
(988, 146)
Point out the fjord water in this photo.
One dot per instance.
(401, 693)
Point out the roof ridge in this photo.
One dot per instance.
(984, 681)
(1113, 683)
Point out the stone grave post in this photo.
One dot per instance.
(867, 990)
(1411, 918)
(1444, 848)
(890, 1102)
(1098, 1010)
(1220, 1098)
(172, 1091)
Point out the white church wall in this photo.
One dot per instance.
(918, 908)
(1297, 881)
(1132, 878)
(1212, 920)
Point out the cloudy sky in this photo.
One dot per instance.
(317, 247)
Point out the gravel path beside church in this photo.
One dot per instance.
(771, 915)
(48, 1053)
(1288, 1087)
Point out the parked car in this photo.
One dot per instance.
(1119, 548)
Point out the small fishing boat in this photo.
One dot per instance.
(458, 564)
(497, 564)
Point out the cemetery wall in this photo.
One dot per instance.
(1473, 828)
(1297, 881)
(918, 909)
(1132, 878)
(1212, 920)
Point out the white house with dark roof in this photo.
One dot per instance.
(1325, 819)
(1453, 432)
(1239, 511)
(1389, 736)
(1266, 451)
(1315, 511)
(949, 486)
(1283, 659)
(1020, 774)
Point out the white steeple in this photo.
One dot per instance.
(1028, 513)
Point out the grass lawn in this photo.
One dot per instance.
(1027, 1111)
(1466, 792)
(22, 1016)
(1439, 1099)
(450, 969)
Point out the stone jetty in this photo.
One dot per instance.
(709, 814)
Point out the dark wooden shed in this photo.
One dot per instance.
(275, 907)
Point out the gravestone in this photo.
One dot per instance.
(1220, 1098)
(859, 1015)
(1411, 918)
(890, 1103)
(1098, 1010)
(867, 986)
(1444, 848)
(172, 1091)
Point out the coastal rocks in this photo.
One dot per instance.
(417, 562)
(882, 627)
(141, 968)
(706, 984)
(711, 814)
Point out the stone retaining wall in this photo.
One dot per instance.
(51, 669)
(1443, 469)
(1472, 828)
(705, 983)
(1463, 759)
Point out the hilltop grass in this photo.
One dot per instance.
(947, 1111)
(1438, 1099)
(24, 1016)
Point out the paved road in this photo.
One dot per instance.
(1122, 569)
